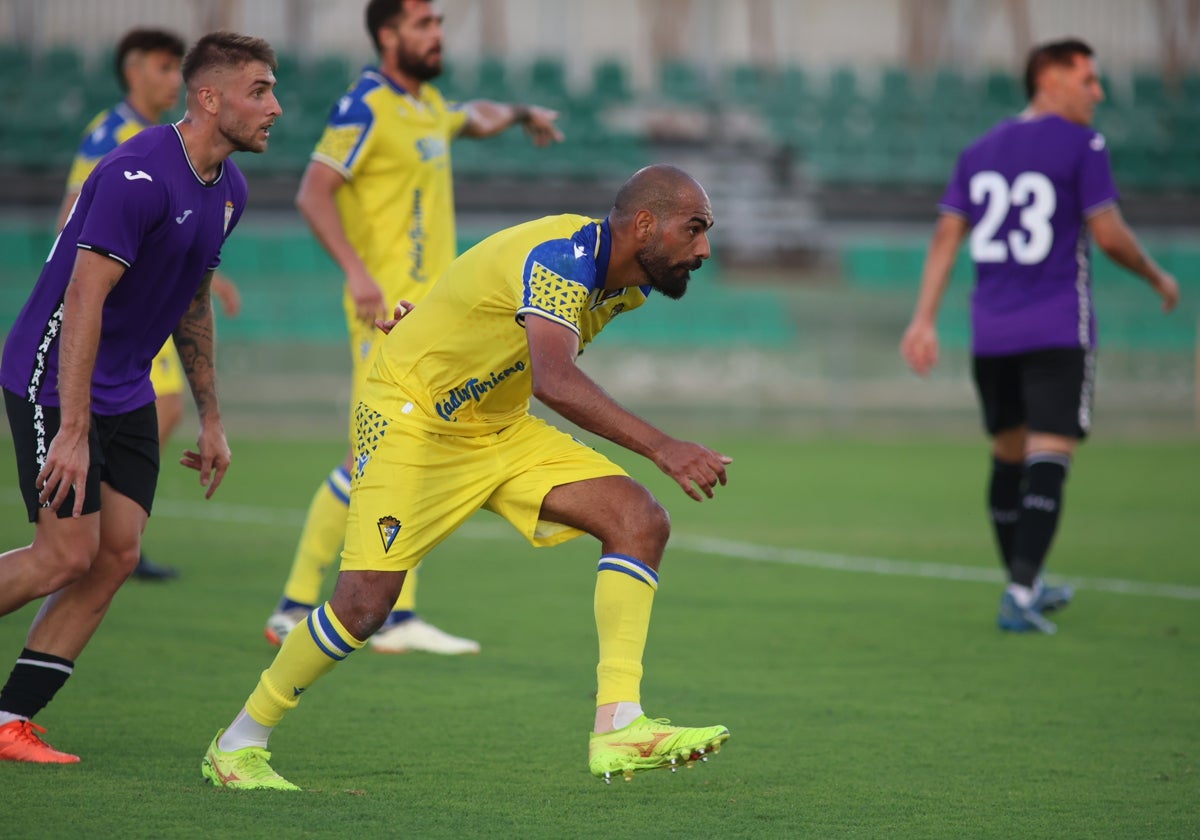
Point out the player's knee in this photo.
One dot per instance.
(120, 561)
(648, 523)
(64, 565)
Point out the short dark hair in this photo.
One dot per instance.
(145, 40)
(379, 12)
(226, 49)
(1061, 53)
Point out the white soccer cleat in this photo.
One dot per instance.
(283, 622)
(415, 634)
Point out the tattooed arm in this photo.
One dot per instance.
(196, 341)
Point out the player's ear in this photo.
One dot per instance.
(209, 98)
(644, 224)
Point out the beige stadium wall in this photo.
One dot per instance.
(815, 33)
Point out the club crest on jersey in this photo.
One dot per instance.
(228, 216)
(389, 527)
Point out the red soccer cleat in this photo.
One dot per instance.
(20, 742)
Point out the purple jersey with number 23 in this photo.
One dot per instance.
(147, 208)
(1027, 188)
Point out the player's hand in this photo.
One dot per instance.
(402, 308)
(213, 458)
(65, 468)
(368, 299)
(1168, 289)
(539, 125)
(692, 464)
(227, 295)
(919, 347)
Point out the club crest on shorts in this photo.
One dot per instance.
(389, 527)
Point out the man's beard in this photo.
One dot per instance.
(666, 278)
(421, 69)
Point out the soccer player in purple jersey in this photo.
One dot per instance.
(1031, 194)
(132, 266)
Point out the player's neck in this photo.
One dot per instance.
(205, 151)
(411, 84)
(144, 108)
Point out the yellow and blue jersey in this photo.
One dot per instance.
(109, 129)
(459, 363)
(397, 205)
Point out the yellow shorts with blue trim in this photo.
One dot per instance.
(166, 371)
(412, 488)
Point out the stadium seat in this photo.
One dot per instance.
(548, 82)
(491, 80)
(610, 82)
(682, 81)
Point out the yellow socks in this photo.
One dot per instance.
(321, 540)
(625, 590)
(308, 653)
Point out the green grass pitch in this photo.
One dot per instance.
(834, 606)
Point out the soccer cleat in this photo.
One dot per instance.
(1051, 598)
(1017, 619)
(647, 744)
(147, 569)
(19, 741)
(282, 622)
(244, 769)
(415, 634)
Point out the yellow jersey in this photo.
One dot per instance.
(109, 129)
(397, 205)
(459, 363)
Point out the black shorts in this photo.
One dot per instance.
(1044, 390)
(124, 453)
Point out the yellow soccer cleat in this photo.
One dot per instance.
(647, 744)
(244, 769)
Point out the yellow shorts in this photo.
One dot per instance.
(166, 371)
(365, 340)
(411, 488)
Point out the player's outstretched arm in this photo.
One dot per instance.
(227, 293)
(486, 118)
(194, 338)
(68, 457)
(919, 345)
(1116, 239)
(561, 385)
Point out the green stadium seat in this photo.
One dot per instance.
(1002, 91)
(491, 80)
(682, 81)
(548, 82)
(610, 82)
(1149, 90)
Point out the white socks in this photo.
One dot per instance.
(244, 732)
(626, 714)
(1023, 595)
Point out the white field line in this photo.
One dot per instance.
(733, 549)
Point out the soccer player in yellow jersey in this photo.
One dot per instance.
(147, 65)
(444, 429)
(379, 197)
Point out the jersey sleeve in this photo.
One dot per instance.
(123, 210)
(347, 134)
(456, 118)
(956, 199)
(559, 277)
(1097, 190)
